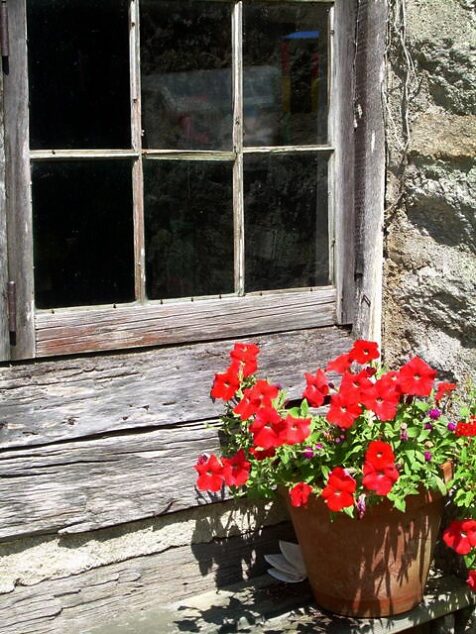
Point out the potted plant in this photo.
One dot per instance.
(364, 462)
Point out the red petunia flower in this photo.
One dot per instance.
(340, 364)
(261, 454)
(239, 469)
(444, 389)
(358, 381)
(466, 429)
(344, 408)
(267, 428)
(380, 481)
(317, 388)
(382, 398)
(245, 355)
(461, 536)
(212, 473)
(300, 493)
(226, 384)
(254, 398)
(380, 454)
(339, 491)
(296, 430)
(471, 579)
(364, 351)
(416, 378)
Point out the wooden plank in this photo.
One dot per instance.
(136, 136)
(70, 331)
(342, 137)
(90, 484)
(288, 149)
(4, 333)
(81, 603)
(238, 196)
(262, 606)
(64, 399)
(19, 220)
(189, 155)
(65, 155)
(370, 168)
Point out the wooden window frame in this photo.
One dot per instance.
(40, 333)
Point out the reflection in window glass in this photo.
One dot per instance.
(285, 73)
(78, 62)
(83, 232)
(188, 228)
(186, 74)
(286, 215)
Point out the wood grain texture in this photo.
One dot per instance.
(88, 330)
(370, 167)
(19, 222)
(46, 401)
(342, 128)
(89, 484)
(4, 333)
(80, 603)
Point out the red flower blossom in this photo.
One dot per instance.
(226, 384)
(239, 469)
(245, 355)
(316, 389)
(381, 398)
(466, 429)
(296, 430)
(340, 489)
(380, 454)
(261, 454)
(340, 364)
(300, 493)
(461, 536)
(416, 378)
(364, 351)
(212, 473)
(267, 428)
(380, 481)
(444, 389)
(358, 381)
(471, 580)
(344, 408)
(254, 398)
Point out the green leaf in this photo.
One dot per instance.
(441, 485)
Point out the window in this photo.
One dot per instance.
(176, 170)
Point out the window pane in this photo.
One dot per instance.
(286, 211)
(78, 61)
(186, 74)
(83, 232)
(188, 228)
(285, 74)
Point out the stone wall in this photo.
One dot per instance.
(430, 268)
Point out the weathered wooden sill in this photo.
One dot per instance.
(266, 606)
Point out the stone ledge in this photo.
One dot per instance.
(263, 606)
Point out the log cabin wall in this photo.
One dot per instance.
(98, 508)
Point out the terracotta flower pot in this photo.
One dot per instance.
(376, 566)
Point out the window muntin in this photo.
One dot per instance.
(187, 98)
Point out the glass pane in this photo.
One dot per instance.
(83, 232)
(188, 228)
(186, 74)
(286, 211)
(285, 74)
(78, 62)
